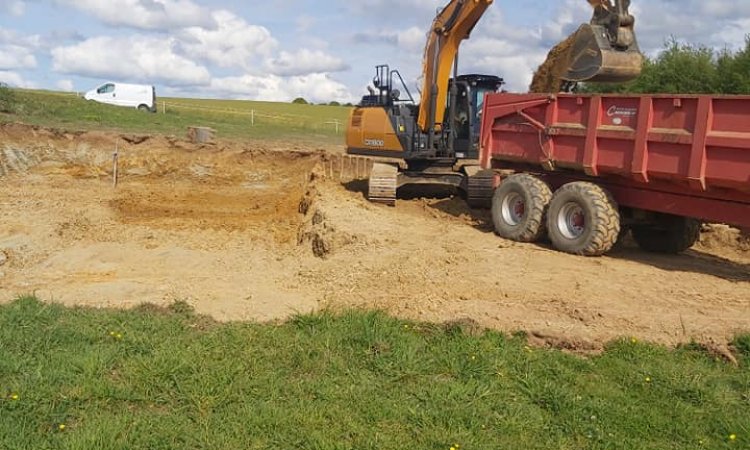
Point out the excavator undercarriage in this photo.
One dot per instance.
(477, 184)
(436, 142)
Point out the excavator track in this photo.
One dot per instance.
(480, 187)
(383, 184)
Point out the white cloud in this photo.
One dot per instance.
(715, 23)
(12, 37)
(15, 8)
(16, 57)
(733, 35)
(233, 43)
(15, 80)
(411, 40)
(65, 85)
(146, 14)
(391, 8)
(145, 59)
(305, 62)
(315, 87)
(17, 51)
(176, 61)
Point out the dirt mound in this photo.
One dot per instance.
(722, 239)
(548, 77)
(324, 239)
(317, 232)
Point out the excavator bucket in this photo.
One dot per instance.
(594, 57)
(604, 50)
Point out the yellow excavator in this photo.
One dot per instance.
(437, 141)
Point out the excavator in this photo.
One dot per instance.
(436, 142)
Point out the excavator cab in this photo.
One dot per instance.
(465, 112)
(606, 49)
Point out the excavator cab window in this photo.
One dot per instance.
(478, 96)
(463, 118)
(463, 112)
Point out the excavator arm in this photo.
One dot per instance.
(451, 26)
(603, 50)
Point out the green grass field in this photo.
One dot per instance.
(167, 379)
(230, 118)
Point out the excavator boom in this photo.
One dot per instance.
(451, 26)
(605, 50)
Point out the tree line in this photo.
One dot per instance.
(687, 69)
(302, 101)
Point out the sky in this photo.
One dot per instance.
(320, 50)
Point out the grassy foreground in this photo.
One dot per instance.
(153, 379)
(230, 118)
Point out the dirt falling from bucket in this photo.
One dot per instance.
(548, 78)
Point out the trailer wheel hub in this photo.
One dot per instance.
(514, 209)
(571, 221)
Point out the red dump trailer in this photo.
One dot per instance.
(585, 169)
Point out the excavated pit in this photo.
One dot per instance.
(264, 231)
(183, 222)
(167, 186)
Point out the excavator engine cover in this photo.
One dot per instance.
(594, 58)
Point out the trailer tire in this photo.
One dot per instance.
(144, 108)
(671, 235)
(519, 208)
(583, 219)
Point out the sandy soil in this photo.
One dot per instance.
(220, 227)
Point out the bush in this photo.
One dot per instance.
(300, 101)
(7, 99)
(687, 69)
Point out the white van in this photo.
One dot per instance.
(138, 96)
